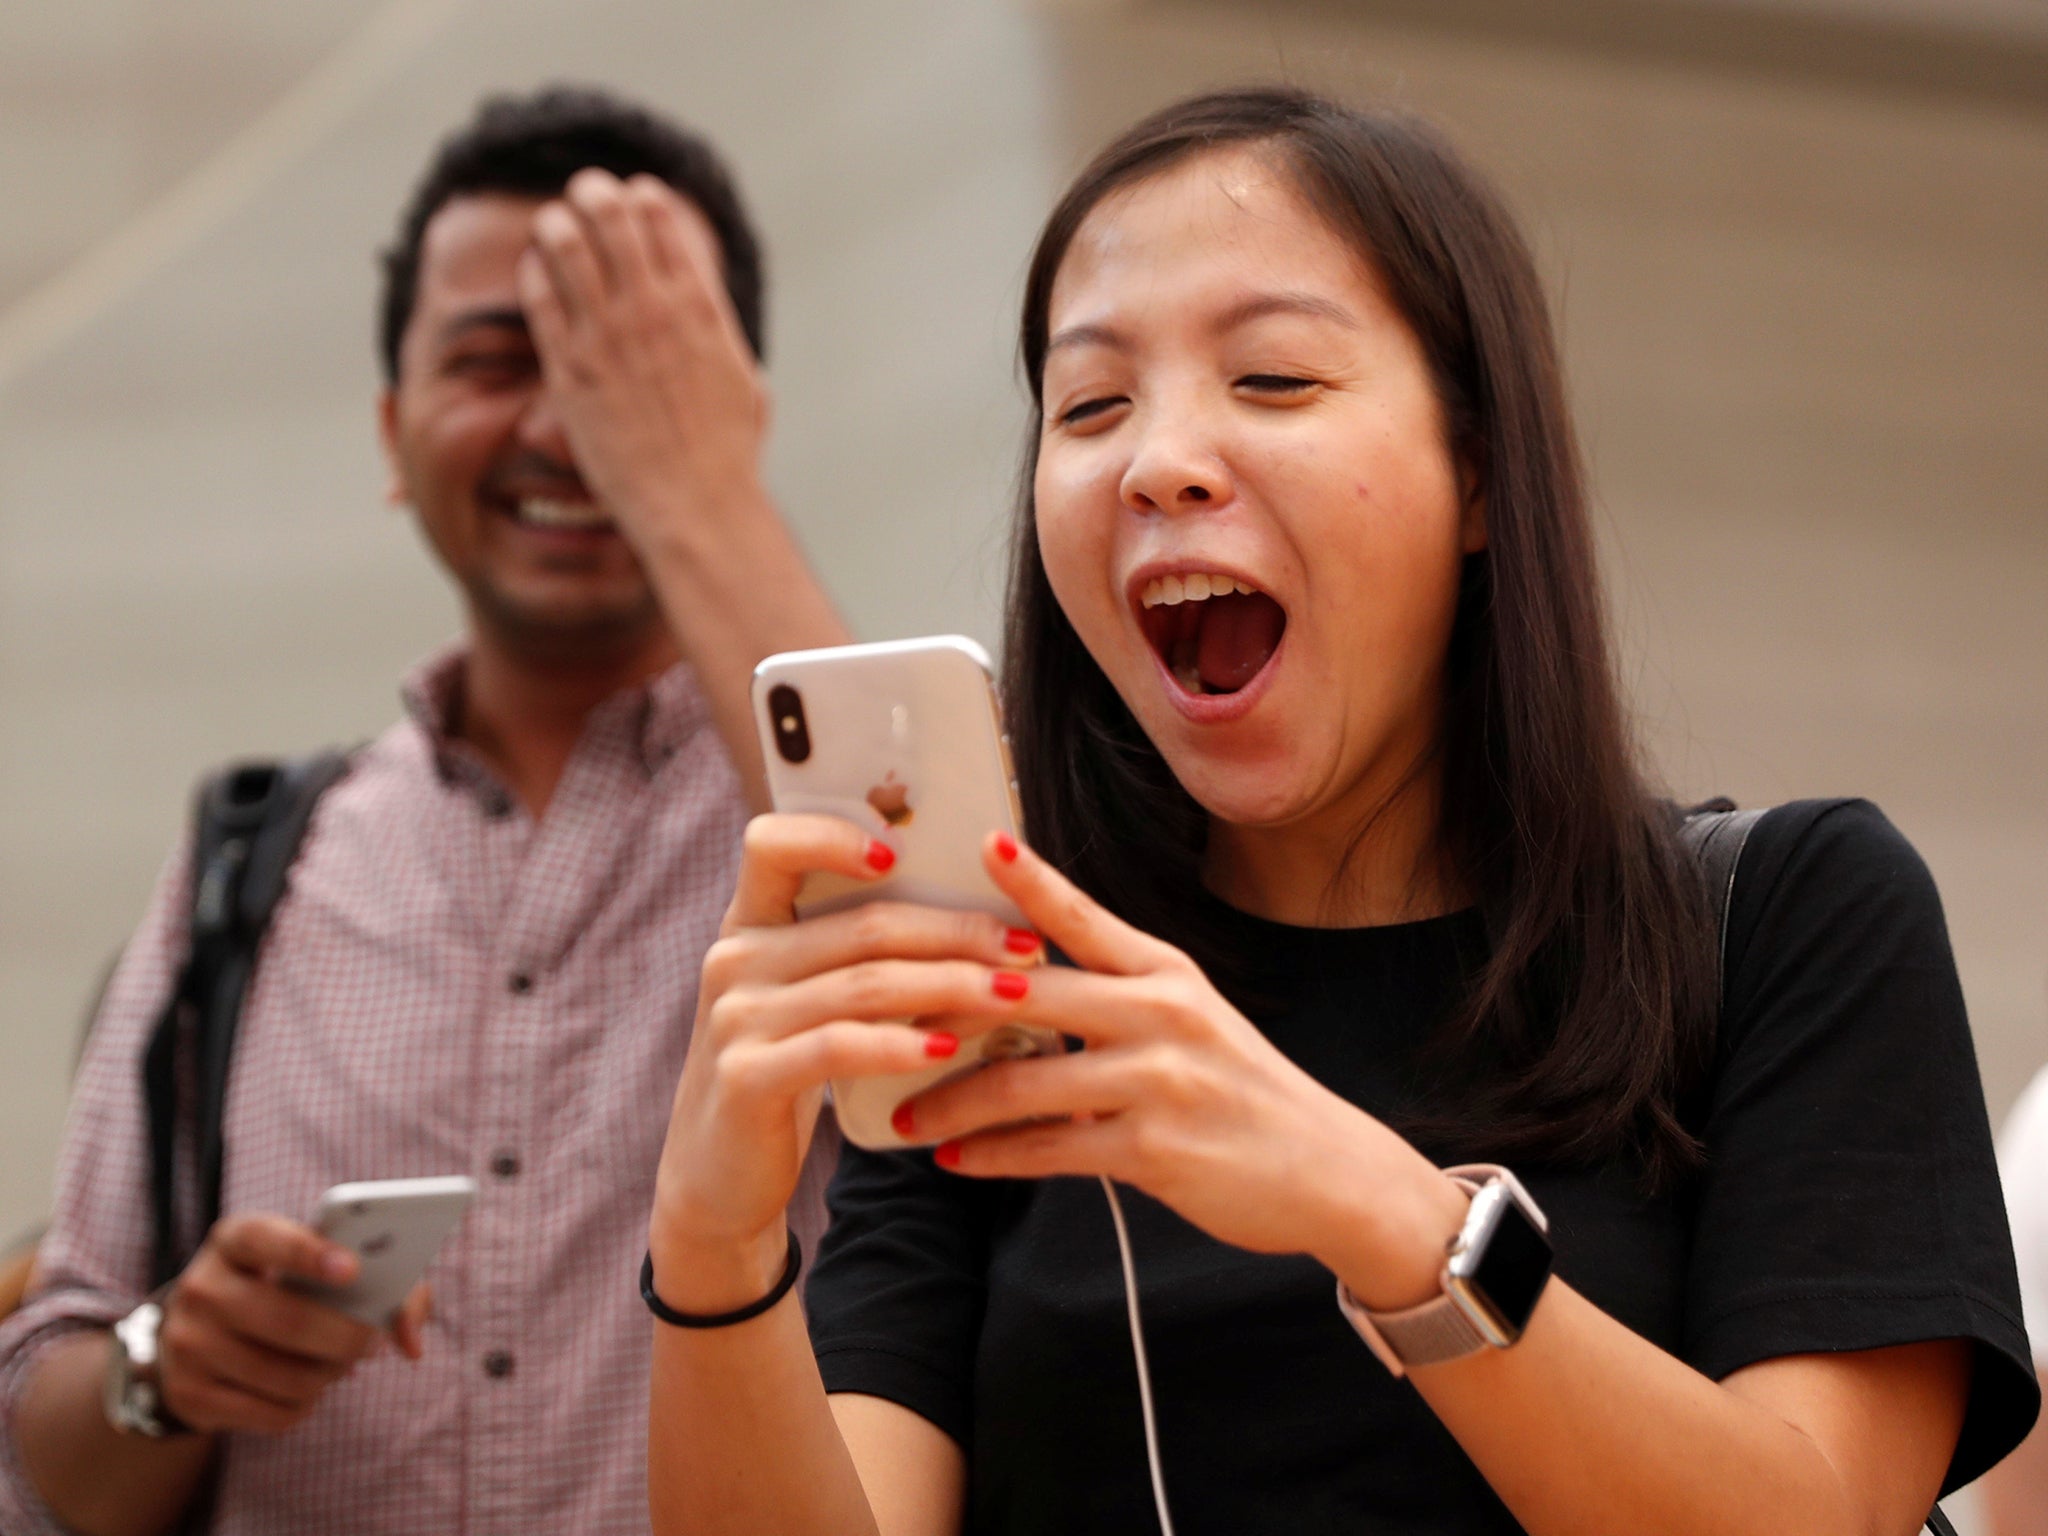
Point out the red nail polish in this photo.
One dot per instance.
(941, 1043)
(904, 1120)
(1006, 848)
(881, 857)
(1010, 985)
(947, 1154)
(1020, 941)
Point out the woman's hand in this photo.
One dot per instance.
(1179, 1095)
(783, 1007)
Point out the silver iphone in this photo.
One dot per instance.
(905, 740)
(395, 1227)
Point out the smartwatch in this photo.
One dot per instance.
(1494, 1273)
(132, 1393)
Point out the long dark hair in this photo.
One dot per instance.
(1593, 1007)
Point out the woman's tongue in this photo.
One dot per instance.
(1232, 637)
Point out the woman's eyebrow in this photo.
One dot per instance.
(1259, 306)
(1085, 336)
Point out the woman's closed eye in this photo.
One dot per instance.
(1281, 384)
(1086, 410)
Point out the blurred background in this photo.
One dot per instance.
(1798, 250)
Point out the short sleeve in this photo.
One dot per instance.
(895, 1301)
(2023, 1168)
(1850, 1199)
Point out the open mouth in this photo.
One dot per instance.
(1215, 633)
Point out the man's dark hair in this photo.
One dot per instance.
(529, 146)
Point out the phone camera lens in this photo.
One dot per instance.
(786, 716)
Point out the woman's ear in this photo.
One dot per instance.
(1471, 506)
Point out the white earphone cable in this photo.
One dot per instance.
(1123, 1243)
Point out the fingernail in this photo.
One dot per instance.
(940, 1043)
(1010, 985)
(1020, 941)
(947, 1154)
(1006, 848)
(337, 1263)
(904, 1120)
(881, 857)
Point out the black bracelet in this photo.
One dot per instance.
(675, 1319)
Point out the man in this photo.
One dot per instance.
(488, 958)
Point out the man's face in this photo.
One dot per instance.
(477, 451)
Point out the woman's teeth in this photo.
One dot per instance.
(1194, 587)
(562, 514)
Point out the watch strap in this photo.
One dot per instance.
(1436, 1330)
(1440, 1328)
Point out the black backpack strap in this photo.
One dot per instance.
(1716, 834)
(250, 820)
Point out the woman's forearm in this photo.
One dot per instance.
(1584, 1425)
(741, 1438)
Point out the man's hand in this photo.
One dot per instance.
(664, 413)
(646, 365)
(238, 1350)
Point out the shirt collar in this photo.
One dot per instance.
(655, 719)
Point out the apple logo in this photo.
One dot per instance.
(377, 1245)
(891, 801)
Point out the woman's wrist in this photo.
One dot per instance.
(1387, 1220)
(711, 1275)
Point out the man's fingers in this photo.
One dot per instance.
(211, 1405)
(684, 248)
(572, 266)
(545, 317)
(781, 852)
(277, 1376)
(258, 1308)
(408, 1327)
(617, 236)
(259, 1244)
(1090, 935)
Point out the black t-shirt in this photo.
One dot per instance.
(1850, 1201)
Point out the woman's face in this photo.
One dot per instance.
(1245, 502)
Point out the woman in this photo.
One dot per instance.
(1312, 706)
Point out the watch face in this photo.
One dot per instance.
(1507, 1264)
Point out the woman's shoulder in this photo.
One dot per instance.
(1834, 890)
(1840, 843)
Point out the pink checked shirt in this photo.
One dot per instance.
(449, 987)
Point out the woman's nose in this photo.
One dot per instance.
(1174, 470)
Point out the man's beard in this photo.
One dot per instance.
(559, 634)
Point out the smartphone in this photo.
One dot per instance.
(905, 740)
(395, 1226)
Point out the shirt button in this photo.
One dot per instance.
(497, 805)
(506, 1165)
(520, 983)
(497, 1365)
